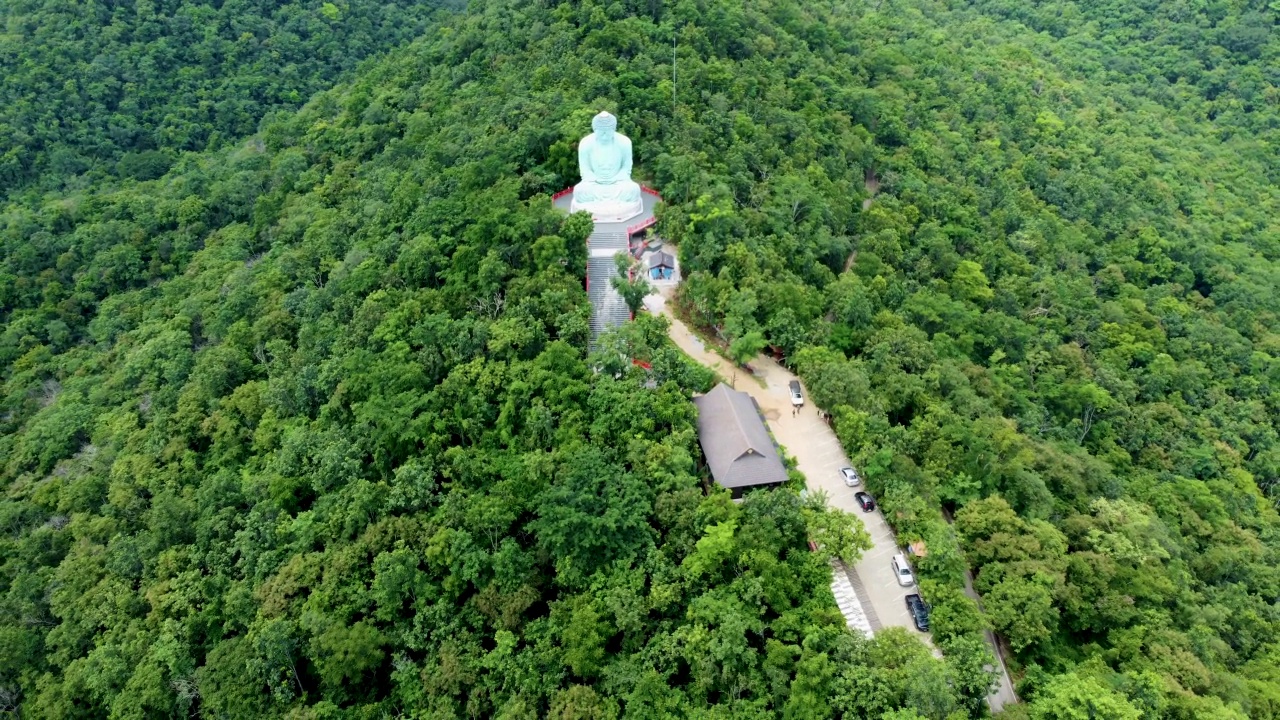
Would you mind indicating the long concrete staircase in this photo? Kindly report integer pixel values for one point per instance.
(607, 307)
(608, 311)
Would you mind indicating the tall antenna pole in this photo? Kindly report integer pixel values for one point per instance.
(673, 70)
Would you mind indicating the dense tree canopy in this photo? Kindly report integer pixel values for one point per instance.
(101, 88)
(1046, 276)
(307, 424)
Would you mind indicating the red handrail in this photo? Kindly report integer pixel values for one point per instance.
(641, 225)
(561, 194)
(651, 191)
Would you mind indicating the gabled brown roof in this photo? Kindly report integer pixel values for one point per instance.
(735, 441)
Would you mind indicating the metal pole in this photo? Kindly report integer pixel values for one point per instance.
(673, 71)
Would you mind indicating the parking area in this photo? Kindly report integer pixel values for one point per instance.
(818, 454)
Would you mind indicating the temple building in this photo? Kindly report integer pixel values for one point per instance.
(738, 448)
(662, 265)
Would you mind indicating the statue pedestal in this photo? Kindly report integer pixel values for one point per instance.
(649, 199)
(609, 212)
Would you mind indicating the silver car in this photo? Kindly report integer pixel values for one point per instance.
(851, 477)
(902, 571)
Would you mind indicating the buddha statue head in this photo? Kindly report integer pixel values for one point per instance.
(604, 125)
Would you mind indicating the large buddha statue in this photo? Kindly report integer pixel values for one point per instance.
(607, 190)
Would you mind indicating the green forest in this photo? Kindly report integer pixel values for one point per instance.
(299, 417)
(94, 89)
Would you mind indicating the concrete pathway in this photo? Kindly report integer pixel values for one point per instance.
(869, 594)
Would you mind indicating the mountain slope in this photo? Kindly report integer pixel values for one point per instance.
(98, 89)
(307, 425)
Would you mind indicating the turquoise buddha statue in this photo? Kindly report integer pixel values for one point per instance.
(604, 158)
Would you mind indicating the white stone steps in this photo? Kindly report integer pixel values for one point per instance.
(607, 307)
(847, 600)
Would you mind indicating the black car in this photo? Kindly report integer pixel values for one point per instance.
(865, 501)
(919, 612)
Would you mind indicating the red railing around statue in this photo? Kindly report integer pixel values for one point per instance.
(641, 225)
(562, 193)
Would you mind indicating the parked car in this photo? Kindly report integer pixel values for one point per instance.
(851, 477)
(797, 397)
(902, 570)
(865, 501)
(919, 610)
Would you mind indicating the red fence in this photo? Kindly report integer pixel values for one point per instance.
(562, 193)
(651, 191)
(641, 225)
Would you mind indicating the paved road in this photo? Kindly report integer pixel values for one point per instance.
(819, 456)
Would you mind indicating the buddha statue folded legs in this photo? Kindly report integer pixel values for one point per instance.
(604, 158)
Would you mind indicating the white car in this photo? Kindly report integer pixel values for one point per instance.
(851, 477)
(797, 397)
(902, 571)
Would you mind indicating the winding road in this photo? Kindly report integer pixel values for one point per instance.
(868, 593)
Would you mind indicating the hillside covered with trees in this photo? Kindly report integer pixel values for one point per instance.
(307, 426)
(96, 89)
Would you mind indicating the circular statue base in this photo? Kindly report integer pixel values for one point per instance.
(648, 198)
(609, 212)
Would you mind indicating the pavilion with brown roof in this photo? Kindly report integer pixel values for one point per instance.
(739, 451)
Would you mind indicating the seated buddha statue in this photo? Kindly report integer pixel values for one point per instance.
(604, 158)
